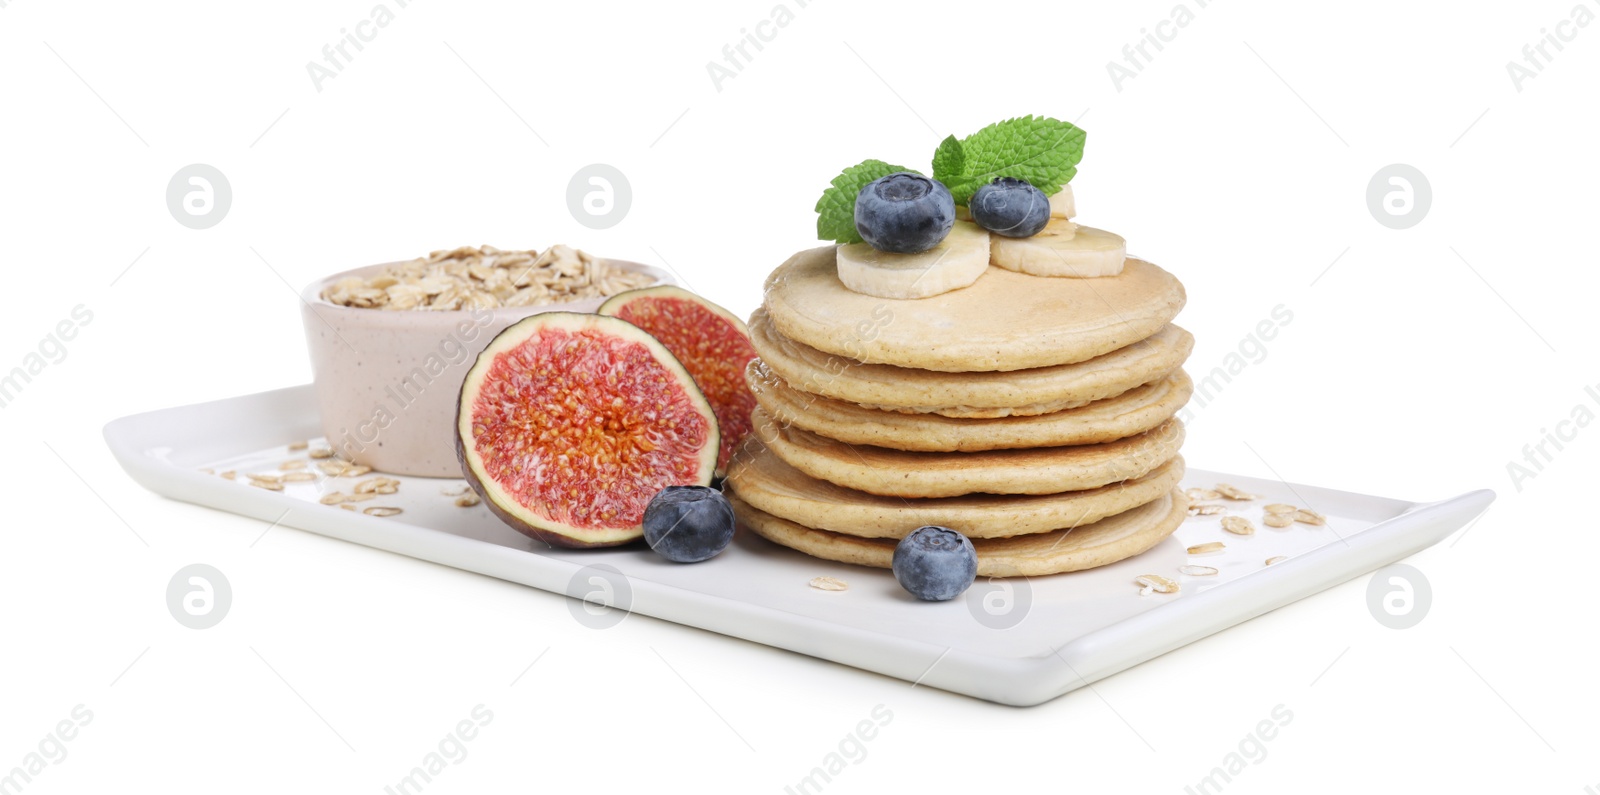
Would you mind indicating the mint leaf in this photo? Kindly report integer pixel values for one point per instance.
(836, 210)
(1041, 150)
(949, 160)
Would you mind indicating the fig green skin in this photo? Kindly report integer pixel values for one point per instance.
(550, 535)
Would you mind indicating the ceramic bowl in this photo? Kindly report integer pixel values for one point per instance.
(387, 380)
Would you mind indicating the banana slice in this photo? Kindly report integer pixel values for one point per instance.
(956, 262)
(1062, 205)
(1060, 228)
(1062, 248)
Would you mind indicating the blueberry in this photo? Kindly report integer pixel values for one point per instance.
(935, 563)
(1010, 207)
(688, 524)
(904, 213)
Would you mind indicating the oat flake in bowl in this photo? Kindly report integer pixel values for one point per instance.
(486, 278)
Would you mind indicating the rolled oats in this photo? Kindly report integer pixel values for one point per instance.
(486, 278)
(1238, 525)
(378, 485)
(340, 468)
(1277, 519)
(1308, 516)
(1235, 493)
(1155, 583)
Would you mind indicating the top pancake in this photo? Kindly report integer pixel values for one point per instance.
(1003, 321)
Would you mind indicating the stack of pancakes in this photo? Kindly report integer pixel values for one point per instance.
(1035, 415)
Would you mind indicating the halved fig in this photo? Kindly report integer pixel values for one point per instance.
(713, 345)
(568, 424)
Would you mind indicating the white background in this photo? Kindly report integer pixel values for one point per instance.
(1417, 366)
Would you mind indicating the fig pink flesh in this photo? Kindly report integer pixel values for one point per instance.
(714, 351)
(582, 427)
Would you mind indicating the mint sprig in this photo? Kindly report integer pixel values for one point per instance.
(950, 158)
(836, 210)
(1041, 150)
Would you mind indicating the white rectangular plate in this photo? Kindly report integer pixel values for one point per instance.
(1065, 631)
